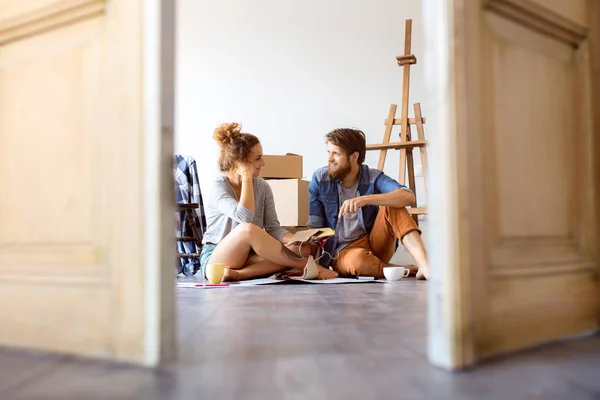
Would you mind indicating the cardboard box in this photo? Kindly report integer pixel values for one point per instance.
(291, 201)
(282, 167)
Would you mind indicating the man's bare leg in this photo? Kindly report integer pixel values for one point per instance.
(413, 243)
(392, 223)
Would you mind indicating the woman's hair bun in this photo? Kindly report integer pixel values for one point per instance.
(226, 132)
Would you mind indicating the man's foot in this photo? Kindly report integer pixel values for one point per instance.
(423, 273)
(326, 273)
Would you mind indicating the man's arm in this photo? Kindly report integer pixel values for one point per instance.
(396, 199)
(390, 194)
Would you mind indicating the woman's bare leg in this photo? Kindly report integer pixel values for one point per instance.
(307, 249)
(256, 267)
(233, 250)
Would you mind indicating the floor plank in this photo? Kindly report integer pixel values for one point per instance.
(306, 342)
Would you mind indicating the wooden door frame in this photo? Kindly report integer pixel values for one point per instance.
(111, 263)
(449, 343)
(452, 45)
(159, 121)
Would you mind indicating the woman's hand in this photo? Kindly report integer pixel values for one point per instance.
(245, 170)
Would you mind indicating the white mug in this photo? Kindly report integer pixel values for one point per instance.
(395, 273)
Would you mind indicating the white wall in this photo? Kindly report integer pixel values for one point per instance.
(292, 71)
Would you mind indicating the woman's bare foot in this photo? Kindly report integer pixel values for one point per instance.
(326, 273)
(231, 275)
(423, 273)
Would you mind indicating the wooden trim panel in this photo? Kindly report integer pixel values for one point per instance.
(539, 19)
(61, 13)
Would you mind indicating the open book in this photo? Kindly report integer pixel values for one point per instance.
(315, 234)
(311, 270)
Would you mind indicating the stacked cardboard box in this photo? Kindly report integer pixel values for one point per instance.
(284, 175)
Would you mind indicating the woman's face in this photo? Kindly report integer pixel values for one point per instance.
(256, 158)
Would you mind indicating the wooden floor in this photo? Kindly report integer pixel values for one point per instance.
(361, 341)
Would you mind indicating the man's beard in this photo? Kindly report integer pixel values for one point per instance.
(341, 171)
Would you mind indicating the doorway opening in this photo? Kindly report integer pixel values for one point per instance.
(290, 87)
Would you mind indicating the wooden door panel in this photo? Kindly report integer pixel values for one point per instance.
(22, 19)
(575, 11)
(528, 309)
(52, 232)
(45, 117)
(530, 76)
(540, 280)
(519, 263)
(534, 165)
(10, 9)
(77, 233)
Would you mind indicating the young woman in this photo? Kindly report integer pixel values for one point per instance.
(243, 230)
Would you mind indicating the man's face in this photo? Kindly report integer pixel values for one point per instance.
(339, 164)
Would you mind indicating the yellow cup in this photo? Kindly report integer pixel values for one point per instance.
(215, 272)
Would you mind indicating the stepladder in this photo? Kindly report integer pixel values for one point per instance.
(406, 143)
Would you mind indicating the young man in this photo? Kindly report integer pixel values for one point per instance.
(365, 207)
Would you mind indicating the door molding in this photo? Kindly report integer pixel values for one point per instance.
(62, 13)
(539, 19)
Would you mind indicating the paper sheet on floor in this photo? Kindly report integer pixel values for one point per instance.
(270, 281)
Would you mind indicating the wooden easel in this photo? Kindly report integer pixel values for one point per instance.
(405, 145)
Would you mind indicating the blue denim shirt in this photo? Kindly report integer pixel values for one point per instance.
(325, 203)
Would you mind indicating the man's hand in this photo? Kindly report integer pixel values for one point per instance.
(352, 206)
(325, 273)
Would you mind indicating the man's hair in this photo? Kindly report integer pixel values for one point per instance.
(350, 140)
